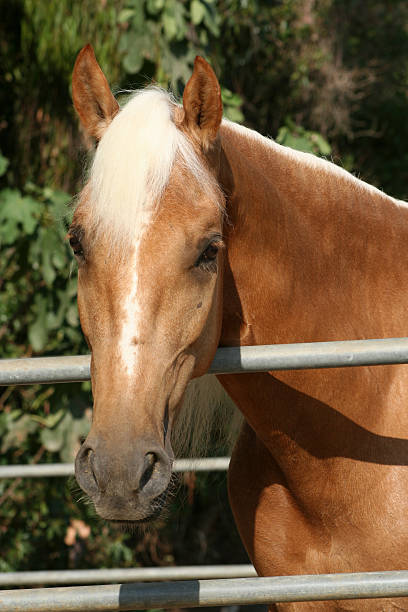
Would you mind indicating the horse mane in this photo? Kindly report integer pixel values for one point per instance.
(135, 157)
(208, 419)
(314, 163)
(133, 163)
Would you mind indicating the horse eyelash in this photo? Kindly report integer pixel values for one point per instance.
(210, 265)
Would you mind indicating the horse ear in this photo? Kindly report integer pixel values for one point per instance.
(93, 99)
(202, 103)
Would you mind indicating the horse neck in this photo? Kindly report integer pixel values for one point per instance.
(311, 250)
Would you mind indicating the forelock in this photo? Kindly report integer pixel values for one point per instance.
(133, 163)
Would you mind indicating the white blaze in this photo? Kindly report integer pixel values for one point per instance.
(132, 309)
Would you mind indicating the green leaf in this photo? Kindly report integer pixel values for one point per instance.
(19, 429)
(232, 103)
(322, 144)
(4, 162)
(288, 139)
(51, 249)
(197, 11)
(72, 316)
(170, 26)
(60, 259)
(48, 193)
(65, 436)
(296, 137)
(51, 420)
(77, 427)
(177, 64)
(58, 204)
(125, 15)
(154, 6)
(38, 331)
(233, 114)
(138, 18)
(212, 20)
(47, 268)
(133, 60)
(17, 213)
(231, 99)
(52, 439)
(174, 24)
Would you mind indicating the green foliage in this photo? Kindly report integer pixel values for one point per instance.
(162, 37)
(38, 45)
(232, 105)
(53, 31)
(38, 313)
(38, 304)
(3, 164)
(296, 137)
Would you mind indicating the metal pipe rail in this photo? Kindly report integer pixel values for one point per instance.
(199, 593)
(133, 574)
(208, 464)
(228, 360)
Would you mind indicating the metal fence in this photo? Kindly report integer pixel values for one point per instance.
(209, 464)
(131, 574)
(199, 593)
(138, 574)
(228, 360)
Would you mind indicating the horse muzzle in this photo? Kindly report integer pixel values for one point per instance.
(125, 487)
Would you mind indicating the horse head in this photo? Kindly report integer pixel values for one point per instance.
(147, 236)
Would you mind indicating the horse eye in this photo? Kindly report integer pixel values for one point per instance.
(76, 246)
(210, 252)
(208, 257)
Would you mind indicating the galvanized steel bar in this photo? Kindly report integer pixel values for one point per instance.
(207, 464)
(28, 371)
(227, 360)
(137, 574)
(200, 593)
(36, 471)
(310, 355)
(46, 470)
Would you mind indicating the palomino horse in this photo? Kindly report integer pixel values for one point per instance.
(194, 232)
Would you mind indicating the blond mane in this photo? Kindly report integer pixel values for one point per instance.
(133, 163)
(208, 419)
(313, 162)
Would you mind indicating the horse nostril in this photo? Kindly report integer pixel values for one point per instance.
(155, 474)
(85, 469)
(150, 460)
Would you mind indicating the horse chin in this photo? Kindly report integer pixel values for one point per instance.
(141, 525)
(132, 526)
(134, 518)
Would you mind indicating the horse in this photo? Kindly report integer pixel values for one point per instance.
(193, 232)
